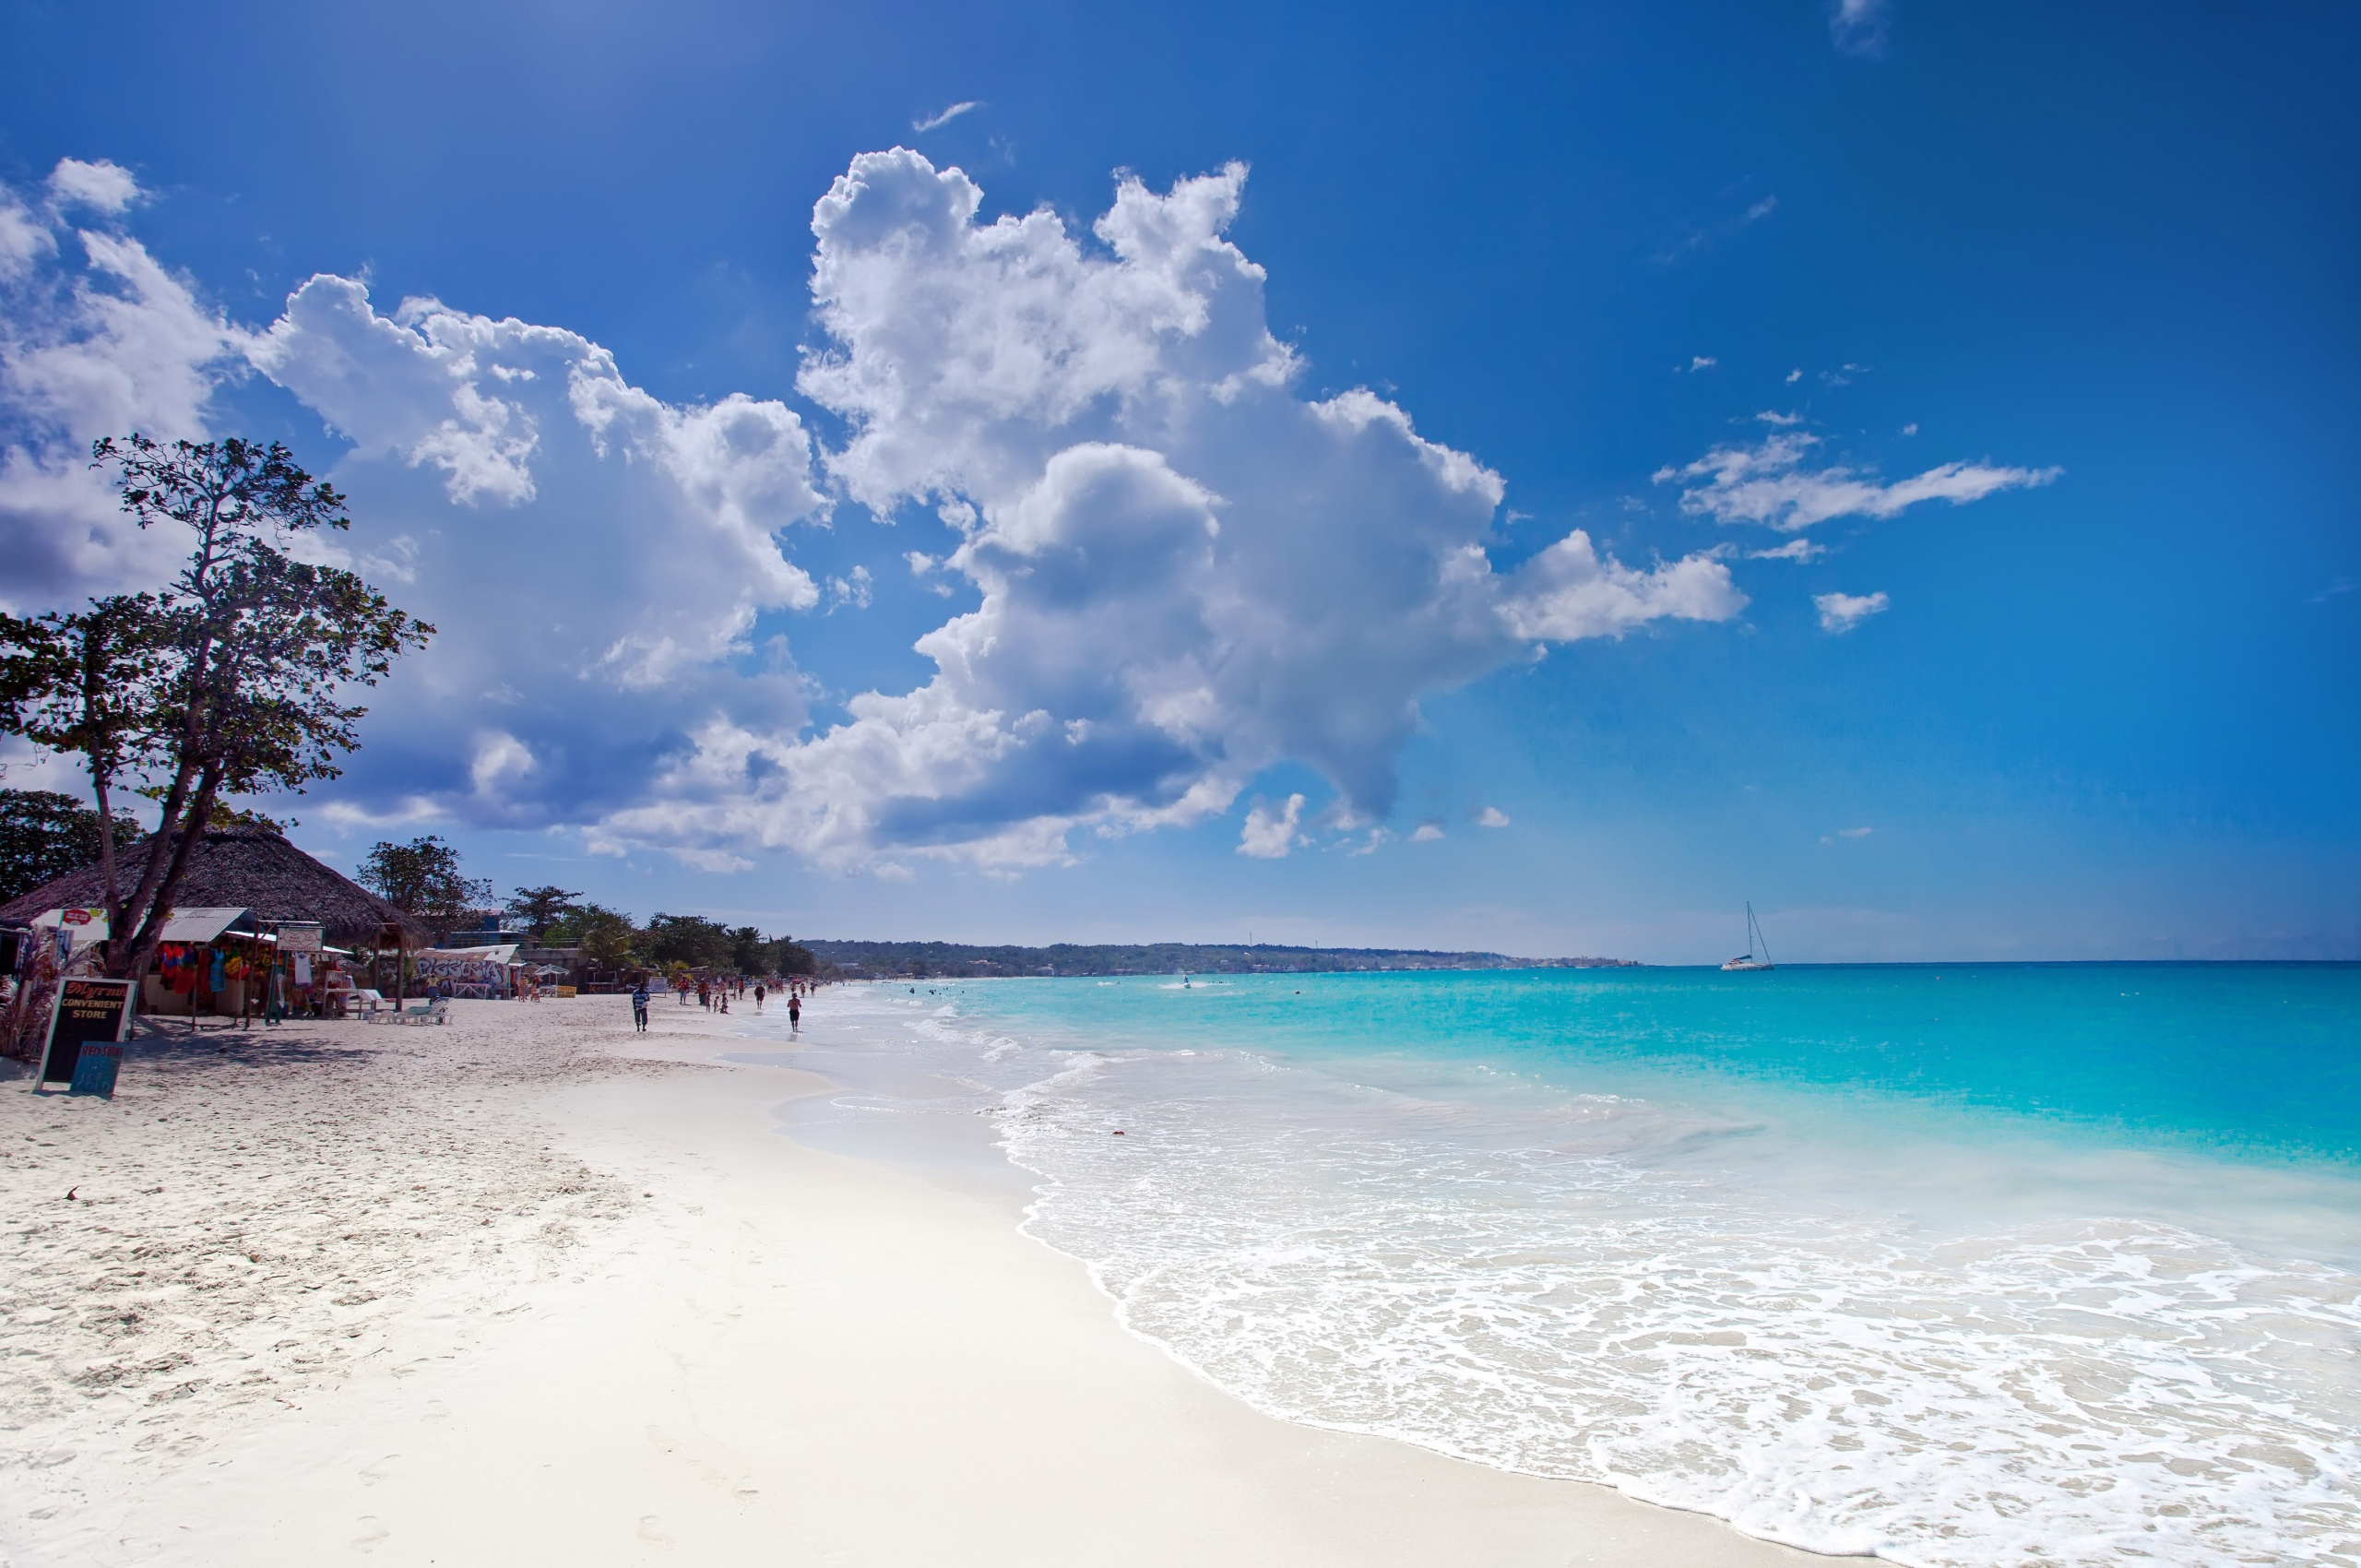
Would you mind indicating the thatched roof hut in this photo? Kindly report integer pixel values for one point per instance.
(249, 868)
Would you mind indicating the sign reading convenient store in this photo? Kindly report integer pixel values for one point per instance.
(90, 1012)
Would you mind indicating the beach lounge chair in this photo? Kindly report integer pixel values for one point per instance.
(437, 1011)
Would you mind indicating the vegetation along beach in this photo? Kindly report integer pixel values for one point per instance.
(1392, 787)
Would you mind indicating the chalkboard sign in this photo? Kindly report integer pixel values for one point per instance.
(94, 1071)
(88, 1012)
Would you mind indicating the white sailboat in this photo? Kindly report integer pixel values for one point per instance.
(1754, 939)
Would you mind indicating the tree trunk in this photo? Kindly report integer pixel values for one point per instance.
(161, 851)
(160, 908)
(109, 892)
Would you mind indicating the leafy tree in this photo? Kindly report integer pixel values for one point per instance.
(607, 937)
(423, 878)
(87, 683)
(677, 944)
(751, 952)
(688, 939)
(541, 907)
(44, 835)
(227, 683)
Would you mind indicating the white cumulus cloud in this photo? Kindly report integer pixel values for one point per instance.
(1492, 816)
(500, 759)
(1271, 831)
(104, 187)
(97, 338)
(24, 237)
(1189, 572)
(1840, 613)
(1184, 571)
(1771, 483)
(596, 559)
(1569, 591)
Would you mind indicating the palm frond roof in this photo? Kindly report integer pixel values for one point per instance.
(250, 867)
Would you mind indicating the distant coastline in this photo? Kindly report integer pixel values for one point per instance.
(953, 960)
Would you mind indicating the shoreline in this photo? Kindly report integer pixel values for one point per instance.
(695, 1338)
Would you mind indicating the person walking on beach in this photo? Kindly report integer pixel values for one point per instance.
(794, 1014)
(639, 1006)
(758, 996)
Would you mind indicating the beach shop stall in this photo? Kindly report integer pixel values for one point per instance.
(243, 972)
(280, 902)
(214, 961)
(315, 980)
(50, 945)
(76, 932)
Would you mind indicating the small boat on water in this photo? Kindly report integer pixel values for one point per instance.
(1747, 960)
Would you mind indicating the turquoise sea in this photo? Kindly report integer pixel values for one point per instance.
(1958, 1264)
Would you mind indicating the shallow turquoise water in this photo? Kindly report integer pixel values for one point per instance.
(1963, 1265)
(2257, 1060)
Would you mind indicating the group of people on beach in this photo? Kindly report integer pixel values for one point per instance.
(714, 996)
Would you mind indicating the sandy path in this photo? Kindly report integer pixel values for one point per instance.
(498, 1294)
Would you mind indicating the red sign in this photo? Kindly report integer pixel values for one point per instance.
(76, 917)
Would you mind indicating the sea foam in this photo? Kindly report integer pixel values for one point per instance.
(1603, 1286)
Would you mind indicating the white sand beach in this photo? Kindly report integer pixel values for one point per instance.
(530, 1289)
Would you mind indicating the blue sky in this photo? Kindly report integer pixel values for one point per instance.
(1262, 481)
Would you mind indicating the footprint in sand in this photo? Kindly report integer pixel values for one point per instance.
(379, 1471)
(372, 1531)
(651, 1530)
